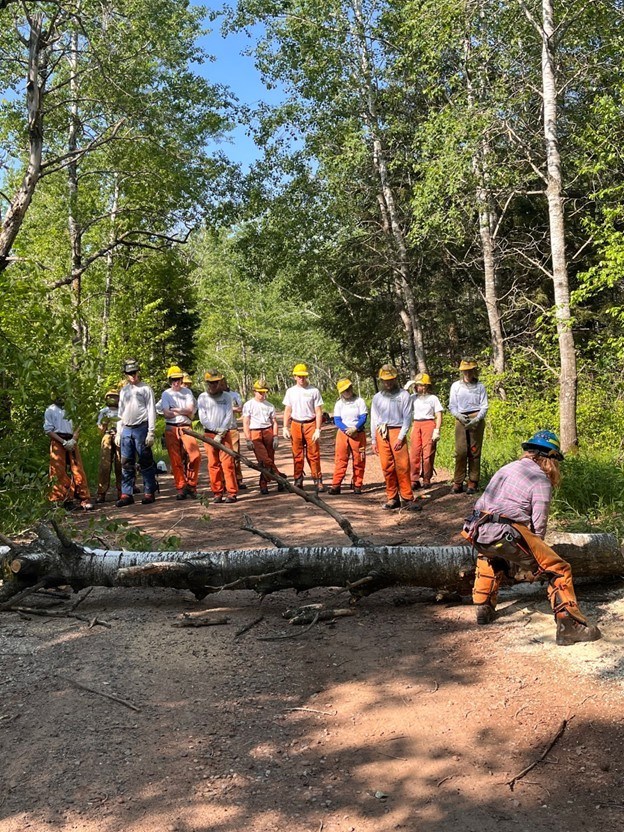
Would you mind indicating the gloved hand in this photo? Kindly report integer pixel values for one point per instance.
(465, 420)
(69, 444)
(408, 385)
(435, 436)
(285, 432)
(383, 430)
(118, 439)
(149, 439)
(316, 435)
(250, 445)
(218, 437)
(472, 423)
(351, 431)
(275, 442)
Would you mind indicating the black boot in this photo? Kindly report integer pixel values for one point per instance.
(485, 614)
(570, 631)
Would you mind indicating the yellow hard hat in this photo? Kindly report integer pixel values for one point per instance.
(468, 364)
(300, 370)
(343, 384)
(422, 378)
(175, 372)
(187, 379)
(260, 386)
(112, 394)
(387, 372)
(213, 375)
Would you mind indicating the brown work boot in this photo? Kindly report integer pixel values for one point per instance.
(485, 613)
(472, 488)
(391, 505)
(334, 489)
(570, 631)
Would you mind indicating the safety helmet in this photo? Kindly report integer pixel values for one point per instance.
(343, 384)
(422, 378)
(387, 372)
(213, 375)
(546, 443)
(174, 372)
(187, 379)
(260, 386)
(468, 364)
(131, 365)
(112, 394)
(300, 370)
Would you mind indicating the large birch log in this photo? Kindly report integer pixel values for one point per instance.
(269, 570)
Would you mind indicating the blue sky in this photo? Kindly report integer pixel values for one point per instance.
(237, 71)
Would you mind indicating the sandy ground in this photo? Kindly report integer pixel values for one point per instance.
(404, 716)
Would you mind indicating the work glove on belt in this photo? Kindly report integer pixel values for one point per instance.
(69, 444)
(351, 431)
(382, 430)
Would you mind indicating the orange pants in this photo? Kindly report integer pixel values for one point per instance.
(221, 468)
(184, 456)
(265, 452)
(395, 466)
(67, 474)
(531, 553)
(345, 446)
(422, 450)
(302, 444)
(236, 447)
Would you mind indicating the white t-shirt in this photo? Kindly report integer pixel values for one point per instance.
(182, 399)
(350, 410)
(425, 406)
(108, 415)
(260, 414)
(215, 412)
(136, 406)
(303, 401)
(54, 420)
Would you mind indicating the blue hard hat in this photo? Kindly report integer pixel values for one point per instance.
(546, 443)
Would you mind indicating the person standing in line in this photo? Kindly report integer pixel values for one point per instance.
(427, 421)
(110, 455)
(350, 414)
(508, 525)
(135, 435)
(215, 413)
(67, 472)
(237, 409)
(468, 402)
(178, 407)
(391, 417)
(261, 431)
(303, 417)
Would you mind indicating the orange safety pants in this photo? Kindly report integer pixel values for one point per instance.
(110, 456)
(395, 466)
(67, 474)
(346, 446)
(422, 449)
(221, 469)
(530, 553)
(303, 446)
(184, 456)
(265, 452)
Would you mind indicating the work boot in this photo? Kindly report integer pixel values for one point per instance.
(473, 487)
(264, 489)
(181, 495)
(101, 498)
(242, 486)
(411, 505)
(281, 488)
(570, 631)
(415, 485)
(485, 613)
(357, 489)
(190, 491)
(218, 498)
(458, 488)
(148, 499)
(230, 499)
(333, 489)
(319, 486)
(299, 482)
(391, 505)
(125, 500)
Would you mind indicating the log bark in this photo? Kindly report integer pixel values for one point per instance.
(270, 570)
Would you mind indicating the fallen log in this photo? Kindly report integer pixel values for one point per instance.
(362, 570)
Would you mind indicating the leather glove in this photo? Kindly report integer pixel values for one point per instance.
(383, 430)
(218, 437)
(435, 436)
(69, 444)
(149, 439)
(250, 445)
(465, 420)
(118, 439)
(285, 432)
(472, 423)
(316, 435)
(351, 431)
(275, 442)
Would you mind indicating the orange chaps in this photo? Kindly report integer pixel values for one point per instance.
(263, 449)
(303, 447)
(345, 446)
(67, 474)
(110, 456)
(422, 449)
(221, 469)
(395, 466)
(532, 553)
(184, 456)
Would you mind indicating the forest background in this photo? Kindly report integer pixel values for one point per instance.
(438, 178)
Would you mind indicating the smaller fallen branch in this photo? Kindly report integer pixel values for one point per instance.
(23, 594)
(293, 635)
(313, 711)
(249, 626)
(304, 615)
(66, 614)
(201, 622)
(248, 526)
(511, 783)
(81, 599)
(110, 696)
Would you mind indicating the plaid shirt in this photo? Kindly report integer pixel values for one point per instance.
(520, 491)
